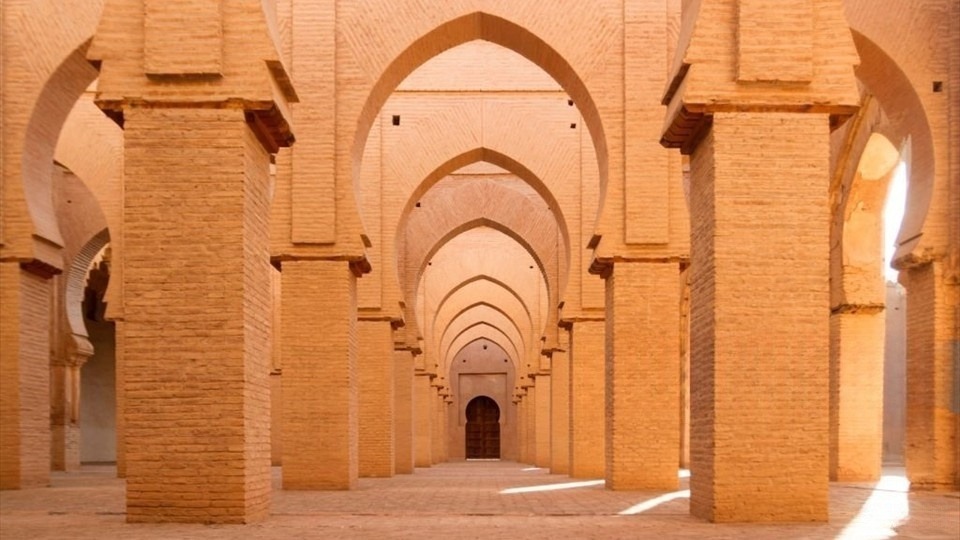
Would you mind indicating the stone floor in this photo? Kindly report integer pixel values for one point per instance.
(473, 500)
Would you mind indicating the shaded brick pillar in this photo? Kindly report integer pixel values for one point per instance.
(856, 392)
(403, 411)
(320, 380)
(587, 433)
(522, 434)
(439, 432)
(196, 342)
(64, 417)
(376, 412)
(542, 421)
(759, 318)
(121, 405)
(931, 446)
(685, 367)
(642, 376)
(25, 380)
(423, 418)
(531, 419)
(560, 408)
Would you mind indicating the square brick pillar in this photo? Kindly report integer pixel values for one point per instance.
(531, 413)
(587, 424)
(423, 419)
(64, 425)
(933, 412)
(320, 380)
(543, 421)
(642, 376)
(25, 379)
(197, 317)
(439, 438)
(403, 411)
(522, 455)
(376, 398)
(121, 405)
(759, 318)
(560, 409)
(856, 393)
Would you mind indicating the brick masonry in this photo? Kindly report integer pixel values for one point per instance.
(197, 397)
(642, 376)
(759, 346)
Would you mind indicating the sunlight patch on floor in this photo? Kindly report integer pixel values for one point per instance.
(882, 513)
(552, 487)
(655, 502)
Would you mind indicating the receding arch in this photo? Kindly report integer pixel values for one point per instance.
(57, 98)
(495, 29)
(76, 282)
(907, 124)
(477, 224)
(466, 345)
(493, 280)
(469, 304)
(477, 306)
(484, 330)
(457, 327)
(508, 163)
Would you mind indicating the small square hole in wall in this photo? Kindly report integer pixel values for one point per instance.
(938, 86)
(570, 102)
(418, 204)
(573, 126)
(396, 120)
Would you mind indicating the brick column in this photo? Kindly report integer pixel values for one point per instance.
(121, 405)
(856, 392)
(24, 385)
(438, 431)
(560, 408)
(64, 417)
(522, 435)
(403, 411)
(320, 402)
(197, 304)
(531, 410)
(642, 376)
(685, 368)
(932, 410)
(587, 399)
(759, 327)
(543, 421)
(376, 398)
(423, 418)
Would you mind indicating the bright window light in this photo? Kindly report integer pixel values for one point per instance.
(893, 217)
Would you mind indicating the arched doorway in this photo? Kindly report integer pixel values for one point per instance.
(483, 429)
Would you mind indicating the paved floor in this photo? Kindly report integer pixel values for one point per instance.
(472, 500)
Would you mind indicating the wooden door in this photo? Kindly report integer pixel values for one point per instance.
(483, 429)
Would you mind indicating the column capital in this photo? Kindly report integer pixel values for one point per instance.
(769, 63)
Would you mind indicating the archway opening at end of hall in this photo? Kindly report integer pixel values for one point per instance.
(483, 429)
